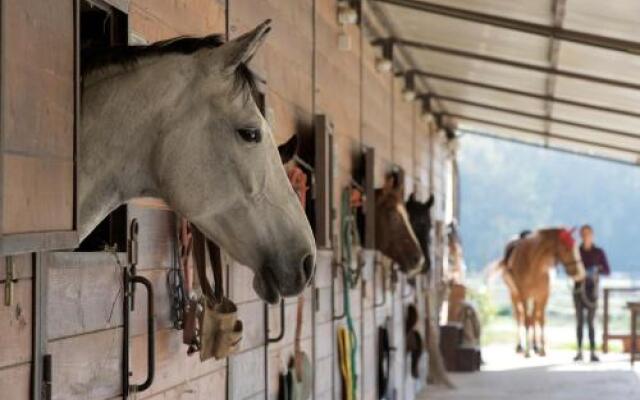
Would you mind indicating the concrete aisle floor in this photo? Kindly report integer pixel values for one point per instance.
(506, 376)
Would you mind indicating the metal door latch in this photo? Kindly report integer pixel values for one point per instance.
(10, 280)
(47, 377)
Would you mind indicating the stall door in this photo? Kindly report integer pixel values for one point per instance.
(38, 104)
(16, 326)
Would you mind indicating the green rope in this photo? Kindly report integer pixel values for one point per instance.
(349, 237)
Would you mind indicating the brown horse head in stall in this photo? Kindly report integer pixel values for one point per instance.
(526, 273)
(394, 236)
(420, 217)
(178, 120)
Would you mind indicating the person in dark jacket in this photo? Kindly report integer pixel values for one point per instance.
(585, 295)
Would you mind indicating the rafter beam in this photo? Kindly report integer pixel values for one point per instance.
(542, 134)
(524, 93)
(533, 28)
(558, 8)
(545, 118)
(548, 147)
(553, 70)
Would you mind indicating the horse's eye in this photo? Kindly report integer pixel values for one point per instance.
(250, 135)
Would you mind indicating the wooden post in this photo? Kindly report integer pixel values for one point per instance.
(634, 317)
(605, 328)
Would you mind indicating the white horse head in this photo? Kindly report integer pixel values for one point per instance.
(177, 120)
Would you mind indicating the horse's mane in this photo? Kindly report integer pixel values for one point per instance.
(549, 230)
(95, 59)
(535, 242)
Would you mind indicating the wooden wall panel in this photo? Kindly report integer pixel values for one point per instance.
(15, 325)
(156, 236)
(376, 111)
(403, 121)
(84, 291)
(247, 374)
(37, 116)
(22, 267)
(87, 366)
(211, 386)
(285, 60)
(16, 382)
(38, 195)
(338, 72)
(173, 366)
(39, 76)
(158, 20)
(85, 295)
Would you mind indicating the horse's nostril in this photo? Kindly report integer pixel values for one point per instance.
(308, 265)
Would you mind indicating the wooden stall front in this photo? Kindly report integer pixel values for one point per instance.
(65, 306)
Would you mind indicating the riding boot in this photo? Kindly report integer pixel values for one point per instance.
(594, 357)
(578, 356)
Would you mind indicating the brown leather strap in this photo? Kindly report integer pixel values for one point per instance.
(298, 358)
(215, 257)
(299, 318)
(186, 250)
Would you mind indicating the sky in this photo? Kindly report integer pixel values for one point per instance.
(508, 187)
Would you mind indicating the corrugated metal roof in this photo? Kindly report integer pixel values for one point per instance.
(555, 73)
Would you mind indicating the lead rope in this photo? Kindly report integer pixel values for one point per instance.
(298, 179)
(349, 276)
(297, 346)
(582, 291)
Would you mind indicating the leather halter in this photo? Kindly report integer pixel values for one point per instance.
(213, 294)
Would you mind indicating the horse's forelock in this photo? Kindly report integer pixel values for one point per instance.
(566, 238)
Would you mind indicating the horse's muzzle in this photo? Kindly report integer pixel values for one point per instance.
(308, 267)
(270, 285)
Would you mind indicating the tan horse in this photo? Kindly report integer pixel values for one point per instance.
(394, 235)
(526, 273)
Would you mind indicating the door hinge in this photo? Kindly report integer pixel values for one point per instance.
(46, 376)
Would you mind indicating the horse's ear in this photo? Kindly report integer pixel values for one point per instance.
(240, 50)
(392, 184)
(288, 150)
(429, 202)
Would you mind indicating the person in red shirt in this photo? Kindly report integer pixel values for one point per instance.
(585, 295)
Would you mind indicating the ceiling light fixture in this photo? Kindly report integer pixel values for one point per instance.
(409, 91)
(426, 114)
(385, 62)
(347, 13)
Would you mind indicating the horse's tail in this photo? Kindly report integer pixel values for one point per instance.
(499, 268)
(493, 270)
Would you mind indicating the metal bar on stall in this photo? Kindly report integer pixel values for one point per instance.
(375, 285)
(282, 324)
